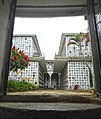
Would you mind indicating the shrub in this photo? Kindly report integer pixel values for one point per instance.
(15, 86)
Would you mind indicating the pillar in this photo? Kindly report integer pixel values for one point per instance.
(50, 79)
(94, 44)
(59, 80)
(7, 15)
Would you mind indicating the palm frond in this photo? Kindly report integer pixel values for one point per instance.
(72, 42)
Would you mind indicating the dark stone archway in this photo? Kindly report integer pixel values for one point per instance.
(6, 39)
(46, 80)
(55, 80)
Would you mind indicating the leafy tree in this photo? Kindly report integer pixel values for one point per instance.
(19, 61)
(77, 39)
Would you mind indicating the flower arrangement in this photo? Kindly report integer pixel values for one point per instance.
(19, 60)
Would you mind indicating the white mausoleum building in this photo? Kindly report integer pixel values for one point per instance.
(71, 67)
(74, 64)
(35, 72)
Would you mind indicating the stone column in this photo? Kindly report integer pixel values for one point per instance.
(59, 79)
(50, 80)
(7, 15)
(94, 43)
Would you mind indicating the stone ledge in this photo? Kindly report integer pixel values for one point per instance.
(49, 111)
(51, 98)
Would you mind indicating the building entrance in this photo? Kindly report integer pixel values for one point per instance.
(51, 81)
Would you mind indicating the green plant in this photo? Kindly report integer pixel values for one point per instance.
(15, 86)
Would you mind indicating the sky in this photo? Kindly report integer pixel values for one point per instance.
(49, 31)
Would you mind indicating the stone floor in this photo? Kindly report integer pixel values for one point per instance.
(52, 96)
(50, 104)
(54, 92)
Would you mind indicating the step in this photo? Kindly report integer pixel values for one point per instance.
(51, 98)
(19, 110)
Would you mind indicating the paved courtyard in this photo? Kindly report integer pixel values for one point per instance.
(53, 96)
(55, 92)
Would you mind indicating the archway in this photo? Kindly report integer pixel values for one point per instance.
(8, 10)
(55, 80)
(46, 81)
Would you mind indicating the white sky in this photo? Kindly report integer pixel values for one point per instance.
(49, 31)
